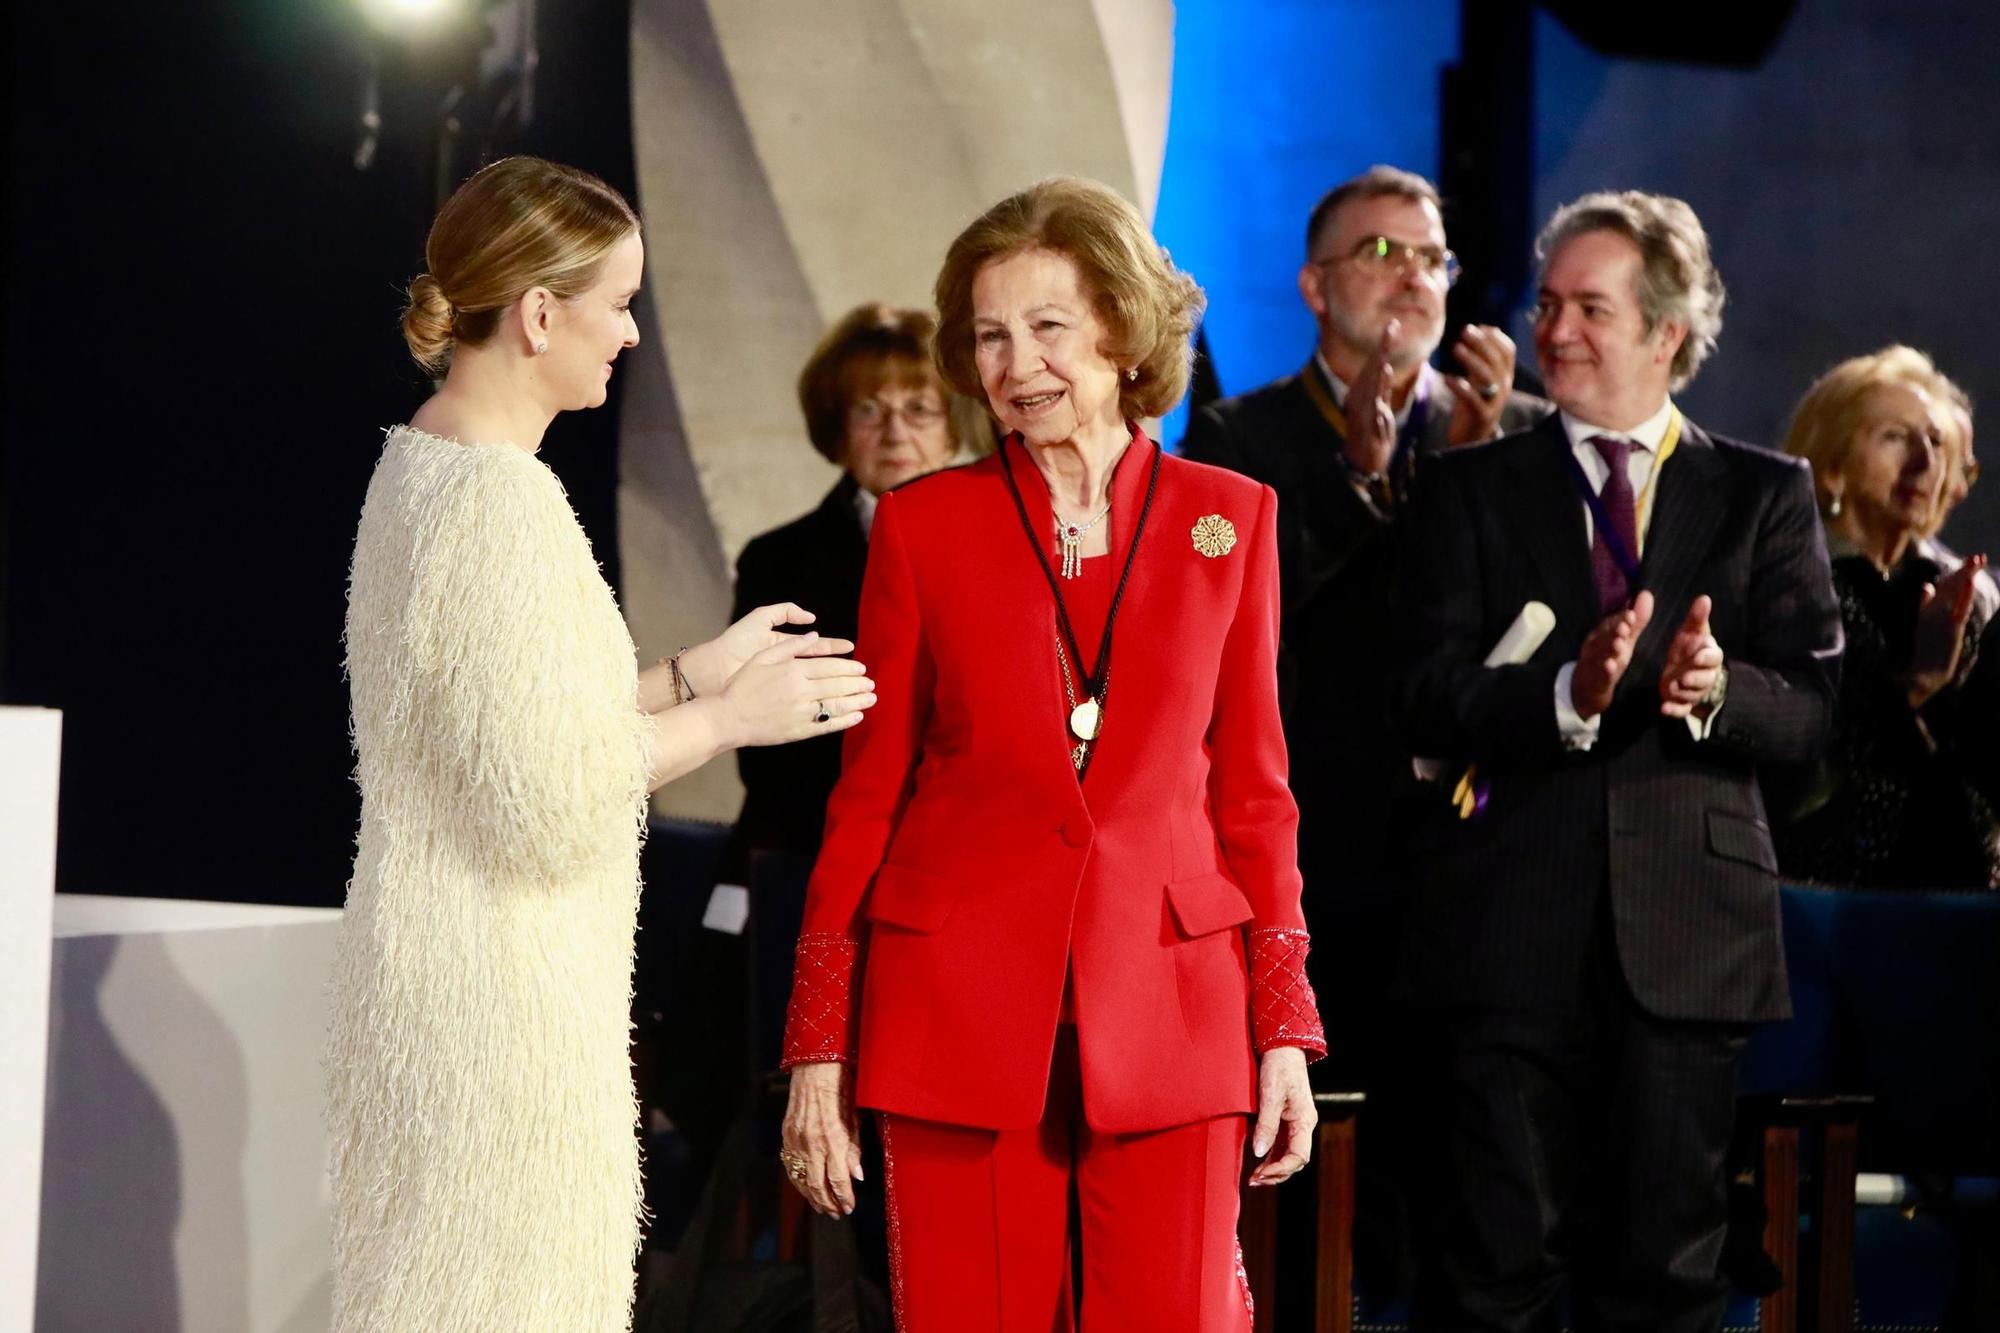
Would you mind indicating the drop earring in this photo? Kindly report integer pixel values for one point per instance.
(1833, 507)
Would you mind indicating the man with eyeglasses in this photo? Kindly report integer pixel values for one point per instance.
(1342, 442)
(1593, 916)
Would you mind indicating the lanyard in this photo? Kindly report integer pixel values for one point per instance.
(1642, 511)
(1097, 684)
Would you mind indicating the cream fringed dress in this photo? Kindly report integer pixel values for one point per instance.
(485, 1171)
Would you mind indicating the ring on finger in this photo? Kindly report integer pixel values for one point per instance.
(821, 713)
(1489, 391)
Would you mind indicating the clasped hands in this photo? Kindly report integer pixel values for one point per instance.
(1694, 659)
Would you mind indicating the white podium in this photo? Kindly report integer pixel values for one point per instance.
(184, 1157)
(30, 747)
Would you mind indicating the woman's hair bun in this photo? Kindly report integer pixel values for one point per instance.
(427, 324)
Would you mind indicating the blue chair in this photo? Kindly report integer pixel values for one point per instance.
(1890, 1065)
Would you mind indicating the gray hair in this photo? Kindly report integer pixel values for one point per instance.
(1677, 278)
(1373, 183)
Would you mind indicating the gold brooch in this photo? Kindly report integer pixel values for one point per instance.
(1214, 535)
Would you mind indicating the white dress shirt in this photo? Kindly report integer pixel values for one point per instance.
(1580, 733)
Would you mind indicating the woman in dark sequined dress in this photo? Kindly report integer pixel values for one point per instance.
(1909, 793)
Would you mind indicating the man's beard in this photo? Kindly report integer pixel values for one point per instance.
(1364, 341)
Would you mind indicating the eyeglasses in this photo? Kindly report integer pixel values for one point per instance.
(1380, 254)
(872, 414)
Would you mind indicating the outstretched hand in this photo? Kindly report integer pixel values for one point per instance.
(791, 690)
(709, 666)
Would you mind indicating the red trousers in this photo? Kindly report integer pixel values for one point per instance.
(980, 1225)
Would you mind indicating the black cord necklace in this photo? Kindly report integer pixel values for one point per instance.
(1097, 684)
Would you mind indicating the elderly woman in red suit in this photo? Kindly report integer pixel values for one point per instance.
(1053, 937)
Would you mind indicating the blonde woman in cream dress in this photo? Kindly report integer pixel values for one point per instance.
(485, 1169)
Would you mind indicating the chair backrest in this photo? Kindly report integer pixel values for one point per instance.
(1897, 995)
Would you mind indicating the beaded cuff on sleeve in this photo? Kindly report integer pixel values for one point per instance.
(1283, 1011)
(819, 1023)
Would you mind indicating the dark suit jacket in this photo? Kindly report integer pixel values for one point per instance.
(1506, 905)
(817, 562)
(1336, 566)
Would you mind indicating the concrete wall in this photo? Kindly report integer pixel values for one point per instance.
(795, 160)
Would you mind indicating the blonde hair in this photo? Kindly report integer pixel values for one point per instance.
(1958, 450)
(519, 223)
(1828, 418)
(1677, 278)
(1148, 307)
(870, 346)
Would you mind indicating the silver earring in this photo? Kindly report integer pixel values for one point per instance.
(1833, 507)
(541, 347)
(1132, 375)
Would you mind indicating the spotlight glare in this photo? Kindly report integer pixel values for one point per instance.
(409, 18)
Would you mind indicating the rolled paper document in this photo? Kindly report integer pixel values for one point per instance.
(1524, 636)
(1530, 628)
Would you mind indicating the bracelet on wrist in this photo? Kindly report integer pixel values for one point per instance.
(683, 689)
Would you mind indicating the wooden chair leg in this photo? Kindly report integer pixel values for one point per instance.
(1257, 1232)
(1333, 1159)
(794, 1219)
(1834, 1235)
(1779, 1312)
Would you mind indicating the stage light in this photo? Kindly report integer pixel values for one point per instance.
(410, 18)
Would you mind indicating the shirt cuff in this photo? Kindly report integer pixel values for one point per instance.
(1699, 727)
(1578, 732)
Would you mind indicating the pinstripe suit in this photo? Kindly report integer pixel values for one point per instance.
(1599, 936)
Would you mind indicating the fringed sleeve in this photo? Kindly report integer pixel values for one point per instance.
(523, 672)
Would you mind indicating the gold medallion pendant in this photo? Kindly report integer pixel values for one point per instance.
(1214, 535)
(1083, 720)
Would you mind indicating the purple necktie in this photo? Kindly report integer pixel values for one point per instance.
(1612, 586)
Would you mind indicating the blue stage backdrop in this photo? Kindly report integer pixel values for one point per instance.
(1266, 117)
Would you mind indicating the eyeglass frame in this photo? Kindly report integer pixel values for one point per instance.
(859, 416)
(1446, 264)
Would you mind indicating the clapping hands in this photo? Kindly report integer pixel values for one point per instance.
(1479, 396)
(1940, 637)
(1694, 659)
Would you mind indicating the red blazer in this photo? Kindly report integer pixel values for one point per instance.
(965, 869)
